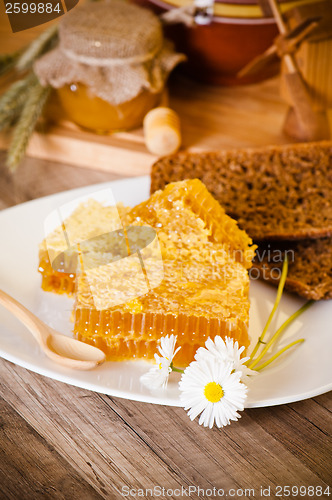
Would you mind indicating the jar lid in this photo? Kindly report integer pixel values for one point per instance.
(113, 47)
(110, 31)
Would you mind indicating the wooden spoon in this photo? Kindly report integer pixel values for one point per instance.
(64, 350)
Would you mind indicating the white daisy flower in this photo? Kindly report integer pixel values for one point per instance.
(227, 351)
(157, 376)
(208, 387)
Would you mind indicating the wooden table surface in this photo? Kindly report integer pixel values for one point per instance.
(59, 441)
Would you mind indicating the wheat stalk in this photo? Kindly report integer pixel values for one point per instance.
(11, 102)
(36, 48)
(32, 109)
(8, 61)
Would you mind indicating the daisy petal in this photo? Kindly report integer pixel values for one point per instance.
(157, 376)
(210, 388)
(225, 350)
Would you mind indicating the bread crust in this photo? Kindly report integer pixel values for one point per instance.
(309, 268)
(275, 192)
(280, 195)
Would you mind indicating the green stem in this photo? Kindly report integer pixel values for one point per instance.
(280, 330)
(174, 369)
(276, 303)
(263, 365)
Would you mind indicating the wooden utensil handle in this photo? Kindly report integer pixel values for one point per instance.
(34, 324)
(312, 125)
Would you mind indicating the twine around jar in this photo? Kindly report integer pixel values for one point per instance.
(97, 61)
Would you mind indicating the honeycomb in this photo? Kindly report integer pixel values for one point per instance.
(55, 281)
(203, 293)
(90, 222)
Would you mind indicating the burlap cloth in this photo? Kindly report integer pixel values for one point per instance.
(113, 47)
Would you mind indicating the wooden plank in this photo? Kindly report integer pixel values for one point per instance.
(86, 149)
(141, 445)
(86, 432)
(31, 468)
(211, 118)
(235, 452)
(304, 430)
(35, 178)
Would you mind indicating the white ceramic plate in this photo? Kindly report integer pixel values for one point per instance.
(305, 372)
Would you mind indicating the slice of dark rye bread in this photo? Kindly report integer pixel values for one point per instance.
(309, 268)
(276, 192)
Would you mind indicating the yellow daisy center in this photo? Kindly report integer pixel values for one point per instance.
(161, 365)
(213, 392)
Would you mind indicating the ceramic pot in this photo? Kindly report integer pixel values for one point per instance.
(218, 51)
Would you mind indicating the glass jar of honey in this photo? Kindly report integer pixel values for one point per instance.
(89, 111)
(110, 66)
